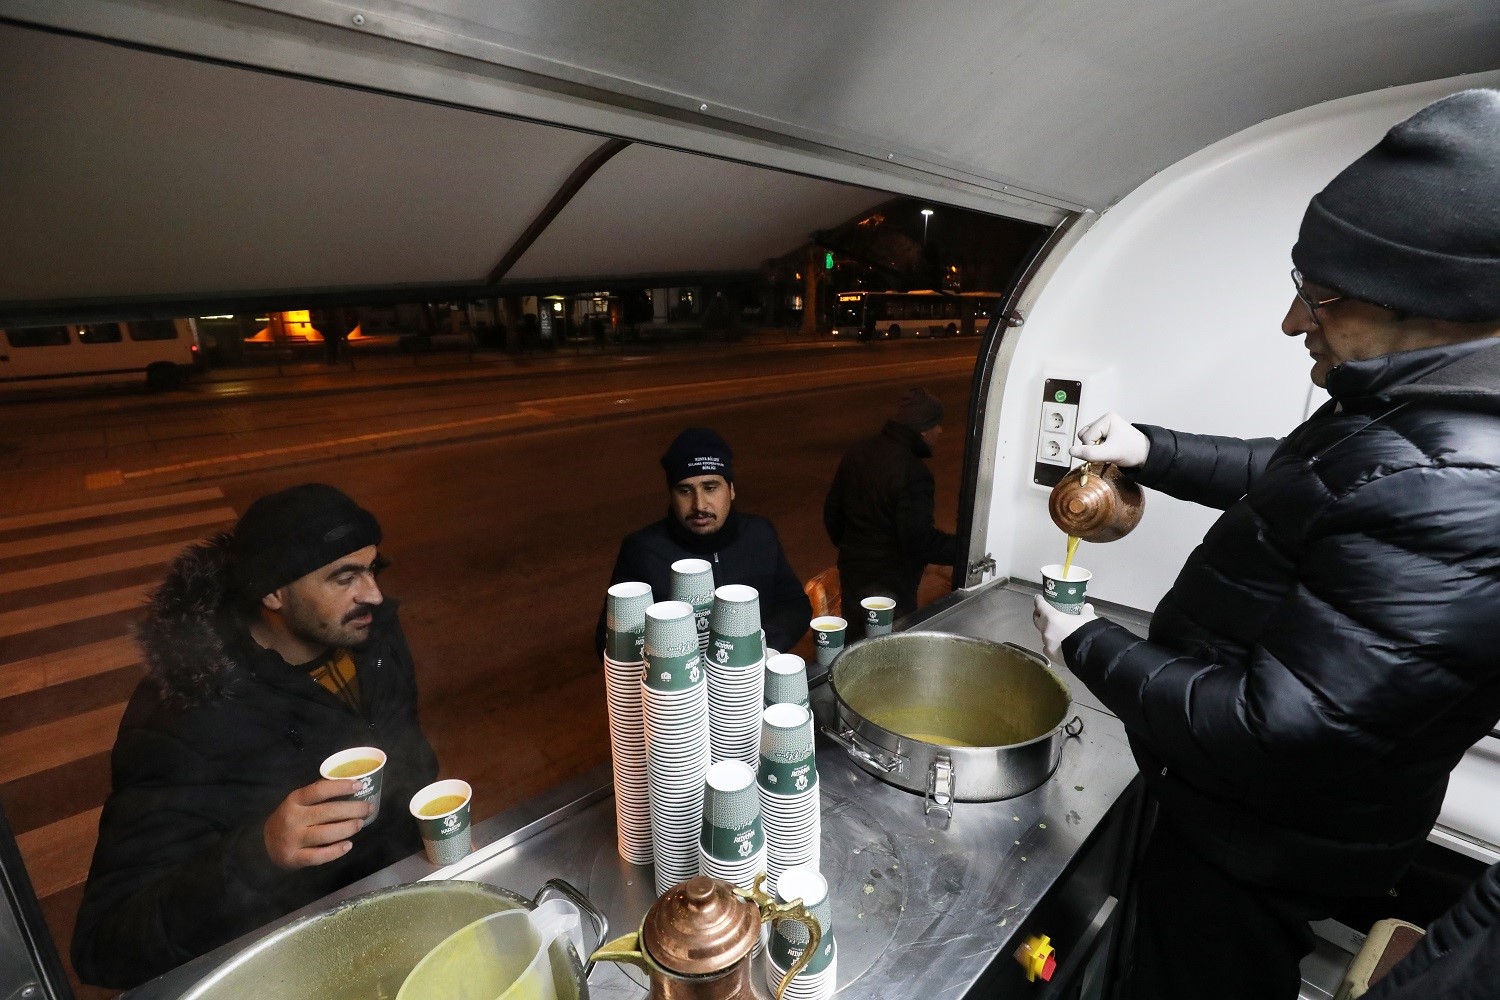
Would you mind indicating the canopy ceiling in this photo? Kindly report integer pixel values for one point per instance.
(135, 173)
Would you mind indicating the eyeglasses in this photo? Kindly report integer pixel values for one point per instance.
(1313, 305)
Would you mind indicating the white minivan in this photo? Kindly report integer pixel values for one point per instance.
(160, 352)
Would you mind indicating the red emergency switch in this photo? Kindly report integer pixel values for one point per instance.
(1038, 958)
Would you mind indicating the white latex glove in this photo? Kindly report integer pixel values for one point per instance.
(1056, 626)
(1112, 438)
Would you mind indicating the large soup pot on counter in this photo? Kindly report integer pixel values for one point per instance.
(951, 717)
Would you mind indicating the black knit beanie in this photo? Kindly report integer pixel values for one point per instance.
(698, 451)
(1414, 224)
(920, 410)
(284, 536)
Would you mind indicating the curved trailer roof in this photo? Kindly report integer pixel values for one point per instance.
(451, 127)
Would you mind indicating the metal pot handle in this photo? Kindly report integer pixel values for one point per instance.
(570, 892)
(1030, 654)
(885, 761)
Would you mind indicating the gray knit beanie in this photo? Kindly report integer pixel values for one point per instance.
(1414, 224)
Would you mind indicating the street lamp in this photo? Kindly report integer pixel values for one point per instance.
(926, 217)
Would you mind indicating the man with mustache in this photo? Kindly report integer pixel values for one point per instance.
(267, 649)
(701, 523)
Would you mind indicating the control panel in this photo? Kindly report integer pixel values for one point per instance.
(1056, 434)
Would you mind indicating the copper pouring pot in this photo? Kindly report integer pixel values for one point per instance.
(695, 941)
(1097, 503)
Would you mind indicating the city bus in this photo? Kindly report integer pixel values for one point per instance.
(158, 352)
(921, 314)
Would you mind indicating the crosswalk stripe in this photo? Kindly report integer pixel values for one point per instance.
(114, 532)
(106, 509)
(75, 609)
(58, 855)
(53, 744)
(37, 672)
(83, 569)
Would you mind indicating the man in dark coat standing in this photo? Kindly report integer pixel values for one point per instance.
(701, 523)
(268, 649)
(1328, 653)
(879, 511)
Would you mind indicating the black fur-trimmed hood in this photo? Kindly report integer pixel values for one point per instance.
(189, 625)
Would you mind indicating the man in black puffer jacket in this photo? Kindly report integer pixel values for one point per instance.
(879, 511)
(701, 523)
(1329, 651)
(267, 649)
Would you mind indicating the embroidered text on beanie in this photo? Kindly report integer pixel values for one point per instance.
(698, 451)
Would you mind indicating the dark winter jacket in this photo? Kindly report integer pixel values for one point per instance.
(1329, 651)
(879, 514)
(211, 743)
(1459, 959)
(746, 550)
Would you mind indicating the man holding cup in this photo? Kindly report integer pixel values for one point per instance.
(701, 523)
(879, 513)
(1328, 653)
(269, 650)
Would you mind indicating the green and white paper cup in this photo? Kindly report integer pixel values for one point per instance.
(735, 638)
(673, 660)
(340, 765)
(789, 937)
(693, 582)
(625, 621)
(732, 829)
(446, 836)
(788, 762)
(829, 632)
(880, 615)
(1066, 594)
(786, 680)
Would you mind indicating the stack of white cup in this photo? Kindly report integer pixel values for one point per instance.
(625, 618)
(674, 700)
(733, 844)
(789, 799)
(693, 582)
(819, 979)
(735, 659)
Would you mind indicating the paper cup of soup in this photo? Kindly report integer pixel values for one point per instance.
(363, 764)
(442, 813)
(880, 614)
(828, 637)
(1065, 591)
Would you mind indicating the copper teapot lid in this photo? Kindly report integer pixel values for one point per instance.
(700, 927)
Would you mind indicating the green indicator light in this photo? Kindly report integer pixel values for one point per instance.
(1061, 395)
(828, 260)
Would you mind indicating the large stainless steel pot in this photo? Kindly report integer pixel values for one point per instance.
(951, 717)
(364, 948)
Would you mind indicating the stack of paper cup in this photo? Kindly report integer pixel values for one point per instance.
(674, 701)
(693, 582)
(819, 978)
(786, 680)
(625, 620)
(788, 779)
(732, 846)
(736, 649)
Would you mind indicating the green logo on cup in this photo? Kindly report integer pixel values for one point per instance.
(445, 827)
(732, 845)
(788, 778)
(674, 673)
(625, 647)
(784, 952)
(735, 650)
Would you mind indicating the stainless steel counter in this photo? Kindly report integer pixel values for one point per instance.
(924, 906)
